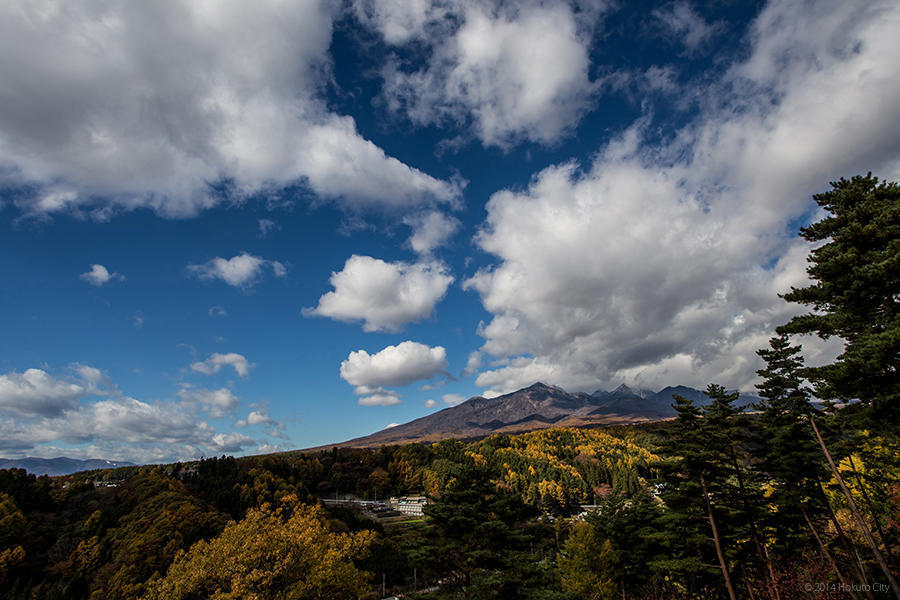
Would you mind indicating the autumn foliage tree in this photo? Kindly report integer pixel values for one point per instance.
(586, 564)
(280, 553)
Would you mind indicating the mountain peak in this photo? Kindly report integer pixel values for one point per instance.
(540, 385)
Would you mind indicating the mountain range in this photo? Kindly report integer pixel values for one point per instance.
(60, 465)
(538, 407)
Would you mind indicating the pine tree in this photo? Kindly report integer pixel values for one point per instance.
(693, 472)
(788, 454)
(471, 531)
(856, 291)
(856, 297)
(738, 489)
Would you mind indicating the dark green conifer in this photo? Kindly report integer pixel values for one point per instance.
(855, 293)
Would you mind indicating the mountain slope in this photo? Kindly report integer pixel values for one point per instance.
(536, 407)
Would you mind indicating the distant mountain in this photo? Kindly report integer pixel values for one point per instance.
(649, 404)
(537, 407)
(60, 465)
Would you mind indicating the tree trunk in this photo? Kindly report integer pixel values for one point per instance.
(859, 520)
(871, 505)
(715, 532)
(747, 581)
(771, 571)
(761, 550)
(825, 551)
(845, 542)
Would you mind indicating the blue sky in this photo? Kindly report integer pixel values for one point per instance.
(236, 229)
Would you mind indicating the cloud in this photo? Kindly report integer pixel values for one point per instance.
(243, 270)
(216, 361)
(99, 275)
(267, 226)
(386, 399)
(272, 448)
(394, 365)
(217, 311)
(660, 263)
(399, 22)
(132, 421)
(430, 403)
(91, 377)
(452, 399)
(515, 71)
(130, 426)
(262, 417)
(37, 393)
(39, 410)
(689, 27)
(230, 442)
(384, 296)
(216, 93)
(473, 363)
(257, 417)
(431, 230)
(215, 402)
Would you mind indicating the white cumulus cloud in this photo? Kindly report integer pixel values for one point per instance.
(99, 275)
(36, 392)
(661, 263)
(215, 402)
(88, 413)
(453, 399)
(230, 442)
(385, 296)
(243, 270)
(386, 399)
(113, 107)
(431, 230)
(214, 363)
(516, 71)
(394, 365)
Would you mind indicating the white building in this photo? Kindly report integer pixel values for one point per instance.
(409, 505)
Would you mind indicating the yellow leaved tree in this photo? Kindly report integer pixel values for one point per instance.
(285, 553)
(585, 565)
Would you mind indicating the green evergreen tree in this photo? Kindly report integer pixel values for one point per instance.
(856, 297)
(789, 456)
(471, 534)
(631, 526)
(693, 472)
(856, 292)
